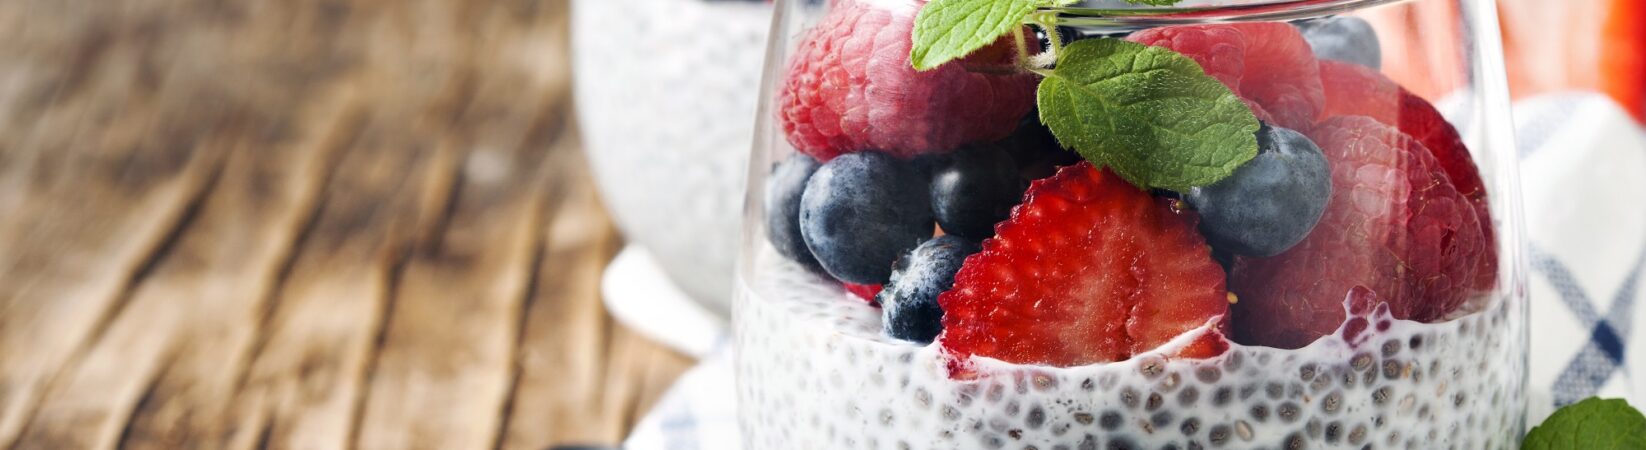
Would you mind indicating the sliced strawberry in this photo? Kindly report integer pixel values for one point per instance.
(1267, 63)
(1395, 225)
(1089, 269)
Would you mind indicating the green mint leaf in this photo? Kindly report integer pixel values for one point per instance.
(1150, 114)
(1590, 424)
(949, 29)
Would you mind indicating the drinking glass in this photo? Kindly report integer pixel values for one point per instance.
(1398, 320)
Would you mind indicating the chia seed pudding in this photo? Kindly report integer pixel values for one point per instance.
(815, 371)
(972, 225)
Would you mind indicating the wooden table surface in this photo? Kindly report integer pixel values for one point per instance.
(302, 224)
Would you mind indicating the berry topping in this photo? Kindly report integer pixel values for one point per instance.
(1359, 91)
(1271, 202)
(1423, 122)
(861, 211)
(1267, 63)
(975, 189)
(1343, 38)
(1035, 150)
(1356, 90)
(910, 300)
(850, 87)
(1366, 315)
(1089, 269)
(867, 292)
(783, 190)
(1395, 225)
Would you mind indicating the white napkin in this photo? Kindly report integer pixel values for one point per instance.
(1583, 171)
(1583, 177)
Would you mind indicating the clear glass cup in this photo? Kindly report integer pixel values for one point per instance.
(1396, 320)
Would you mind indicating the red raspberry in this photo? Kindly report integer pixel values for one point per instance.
(850, 87)
(1395, 225)
(1089, 269)
(1267, 63)
(1356, 90)
(1352, 89)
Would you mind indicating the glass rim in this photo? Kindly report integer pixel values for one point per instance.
(1120, 13)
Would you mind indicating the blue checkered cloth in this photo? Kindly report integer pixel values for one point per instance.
(1583, 172)
(1583, 168)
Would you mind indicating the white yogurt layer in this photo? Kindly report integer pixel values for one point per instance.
(815, 372)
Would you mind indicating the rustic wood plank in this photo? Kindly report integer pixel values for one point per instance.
(442, 376)
(305, 381)
(662, 367)
(90, 220)
(195, 314)
(292, 309)
(562, 359)
(577, 367)
(202, 299)
(99, 158)
(639, 372)
(185, 406)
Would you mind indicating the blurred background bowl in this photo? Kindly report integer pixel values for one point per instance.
(666, 96)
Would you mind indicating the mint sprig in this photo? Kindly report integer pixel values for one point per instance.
(1590, 424)
(1151, 114)
(1148, 113)
(949, 29)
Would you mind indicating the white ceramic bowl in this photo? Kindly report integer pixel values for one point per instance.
(666, 93)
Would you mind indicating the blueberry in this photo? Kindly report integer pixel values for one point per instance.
(861, 211)
(783, 190)
(909, 301)
(1343, 38)
(1225, 260)
(1035, 150)
(1270, 203)
(975, 189)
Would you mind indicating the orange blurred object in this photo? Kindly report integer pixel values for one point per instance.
(1597, 45)
(1549, 46)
